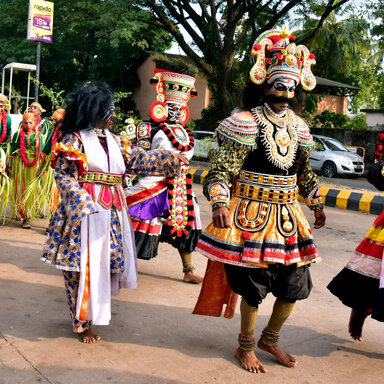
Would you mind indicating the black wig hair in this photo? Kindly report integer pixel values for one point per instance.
(253, 95)
(88, 103)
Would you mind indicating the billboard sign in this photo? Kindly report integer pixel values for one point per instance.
(40, 21)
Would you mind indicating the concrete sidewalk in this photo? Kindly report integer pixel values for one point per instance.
(154, 339)
(340, 198)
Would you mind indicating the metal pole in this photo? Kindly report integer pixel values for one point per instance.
(29, 81)
(2, 82)
(10, 85)
(38, 50)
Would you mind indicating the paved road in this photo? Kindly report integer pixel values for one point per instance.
(358, 183)
(153, 338)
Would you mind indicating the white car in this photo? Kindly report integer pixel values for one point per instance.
(331, 157)
(206, 145)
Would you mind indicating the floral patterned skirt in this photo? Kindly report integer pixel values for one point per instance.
(62, 246)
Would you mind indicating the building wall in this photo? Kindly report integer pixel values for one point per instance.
(336, 104)
(145, 95)
(375, 120)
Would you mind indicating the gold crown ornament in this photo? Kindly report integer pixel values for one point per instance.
(277, 56)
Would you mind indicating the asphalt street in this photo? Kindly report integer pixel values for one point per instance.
(154, 338)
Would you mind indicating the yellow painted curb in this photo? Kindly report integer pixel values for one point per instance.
(365, 203)
(205, 173)
(342, 199)
(323, 193)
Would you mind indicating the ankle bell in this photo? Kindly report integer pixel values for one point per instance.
(246, 343)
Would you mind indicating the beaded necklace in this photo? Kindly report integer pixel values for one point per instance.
(279, 120)
(280, 146)
(180, 137)
(22, 149)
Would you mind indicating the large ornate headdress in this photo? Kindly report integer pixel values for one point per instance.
(171, 87)
(278, 56)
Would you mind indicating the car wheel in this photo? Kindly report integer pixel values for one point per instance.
(328, 169)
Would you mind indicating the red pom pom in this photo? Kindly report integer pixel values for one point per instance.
(245, 235)
(312, 56)
(292, 38)
(274, 38)
(290, 240)
(279, 55)
(379, 147)
(381, 136)
(256, 47)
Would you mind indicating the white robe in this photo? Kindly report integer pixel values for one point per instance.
(95, 236)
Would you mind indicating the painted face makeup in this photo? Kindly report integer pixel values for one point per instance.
(174, 112)
(284, 88)
(280, 94)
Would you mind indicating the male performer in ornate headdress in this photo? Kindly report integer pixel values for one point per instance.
(166, 209)
(259, 240)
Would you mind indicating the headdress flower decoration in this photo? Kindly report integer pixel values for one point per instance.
(276, 55)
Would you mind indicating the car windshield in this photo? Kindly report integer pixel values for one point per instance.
(335, 145)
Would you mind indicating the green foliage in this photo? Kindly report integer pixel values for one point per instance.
(339, 121)
(56, 97)
(221, 35)
(175, 64)
(209, 146)
(346, 52)
(191, 125)
(312, 102)
(92, 40)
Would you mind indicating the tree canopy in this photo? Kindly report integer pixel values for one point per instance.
(221, 34)
(108, 39)
(92, 40)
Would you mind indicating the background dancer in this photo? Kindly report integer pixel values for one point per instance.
(22, 167)
(360, 284)
(5, 123)
(166, 210)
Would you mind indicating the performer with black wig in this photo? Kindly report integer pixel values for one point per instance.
(166, 209)
(259, 240)
(90, 237)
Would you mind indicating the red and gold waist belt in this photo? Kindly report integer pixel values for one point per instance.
(268, 195)
(101, 178)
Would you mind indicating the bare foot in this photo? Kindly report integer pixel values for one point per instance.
(249, 361)
(282, 356)
(89, 337)
(356, 322)
(192, 277)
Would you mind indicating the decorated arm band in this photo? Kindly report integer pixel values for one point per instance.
(70, 154)
(314, 199)
(218, 193)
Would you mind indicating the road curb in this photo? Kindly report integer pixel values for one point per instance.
(338, 198)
